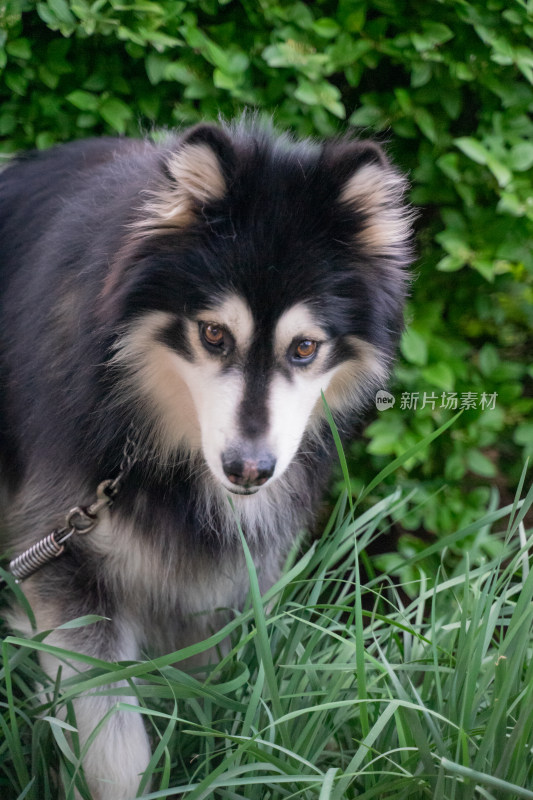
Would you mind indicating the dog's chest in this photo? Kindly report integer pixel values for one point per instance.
(179, 580)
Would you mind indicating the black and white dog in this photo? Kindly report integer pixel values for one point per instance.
(201, 293)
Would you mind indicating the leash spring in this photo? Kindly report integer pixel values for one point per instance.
(36, 557)
(79, 520)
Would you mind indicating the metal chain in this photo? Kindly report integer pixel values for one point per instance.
(79, 520)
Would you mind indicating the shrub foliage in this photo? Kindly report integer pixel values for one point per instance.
(447, 84)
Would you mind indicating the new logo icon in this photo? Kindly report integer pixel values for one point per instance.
(384, 400)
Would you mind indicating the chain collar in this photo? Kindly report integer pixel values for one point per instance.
(79, 520)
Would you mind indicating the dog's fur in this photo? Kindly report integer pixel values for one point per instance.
(118, 260)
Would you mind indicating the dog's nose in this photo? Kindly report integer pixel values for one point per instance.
(249, 471)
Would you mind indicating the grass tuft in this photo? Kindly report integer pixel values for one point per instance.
(409, 684)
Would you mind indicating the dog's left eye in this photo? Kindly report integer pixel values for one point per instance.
(303, 352)
(215, 337)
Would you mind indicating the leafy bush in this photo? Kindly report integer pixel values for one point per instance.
(448, 84)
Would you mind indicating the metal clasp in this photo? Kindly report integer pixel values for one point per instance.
(80, 519)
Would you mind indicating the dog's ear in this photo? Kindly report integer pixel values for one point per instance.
(369, 186)
(203, 164)
(195, 173)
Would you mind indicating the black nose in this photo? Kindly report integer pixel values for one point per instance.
(249, 471)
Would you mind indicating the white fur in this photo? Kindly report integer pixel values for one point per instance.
(119, 754)
(120, 751)
(144, 572)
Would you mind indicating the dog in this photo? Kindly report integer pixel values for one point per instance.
(172, 317)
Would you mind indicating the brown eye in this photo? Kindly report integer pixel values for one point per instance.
(216, 338)
(213, 334)
(305, 350)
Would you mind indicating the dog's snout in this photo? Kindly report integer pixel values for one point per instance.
(249, 472)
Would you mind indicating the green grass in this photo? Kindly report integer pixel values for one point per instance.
(411, 683)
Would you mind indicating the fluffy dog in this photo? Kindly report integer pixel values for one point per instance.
(199, 294)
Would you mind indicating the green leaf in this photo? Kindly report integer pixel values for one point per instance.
(115, 113)
(161, 41)
(176, 71)
(504, 788)
(449, 164)
(82, 622)
(326, 27)
(85, 101)
(464, 72)
(7, 124)
(61, 10)
(57, 15)
(300, 14)
(44, 140)
(384, 443)
(156, 66)
(480, 464)
(366, 116)
(485, 267)
(440, 375)
(49, 78)
(320, 94)
(210, 50)
(473, 149)
(414, 347)
(420, 74)
(426, 123)
(454, 468)
(453, 241)
(452, 102)
(502, 174)
(433, 34)
(17, 82)
(523, 435)
(19, 48)
(451, 263)
(224, 81)
(521, 157)
(87, 120)
(295, 55)
(489, 360)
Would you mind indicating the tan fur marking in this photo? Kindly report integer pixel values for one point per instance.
(352, 381)
(377, 192)
(197, 178)
(196, 169)
(154, 381)
(297, 321)
(234, 314)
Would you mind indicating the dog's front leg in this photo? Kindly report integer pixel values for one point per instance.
(115, 760)
(119, 753)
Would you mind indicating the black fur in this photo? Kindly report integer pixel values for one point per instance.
(75, 272)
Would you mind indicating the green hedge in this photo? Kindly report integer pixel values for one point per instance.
(448, 84)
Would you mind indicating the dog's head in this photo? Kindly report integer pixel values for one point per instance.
(258, 274)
